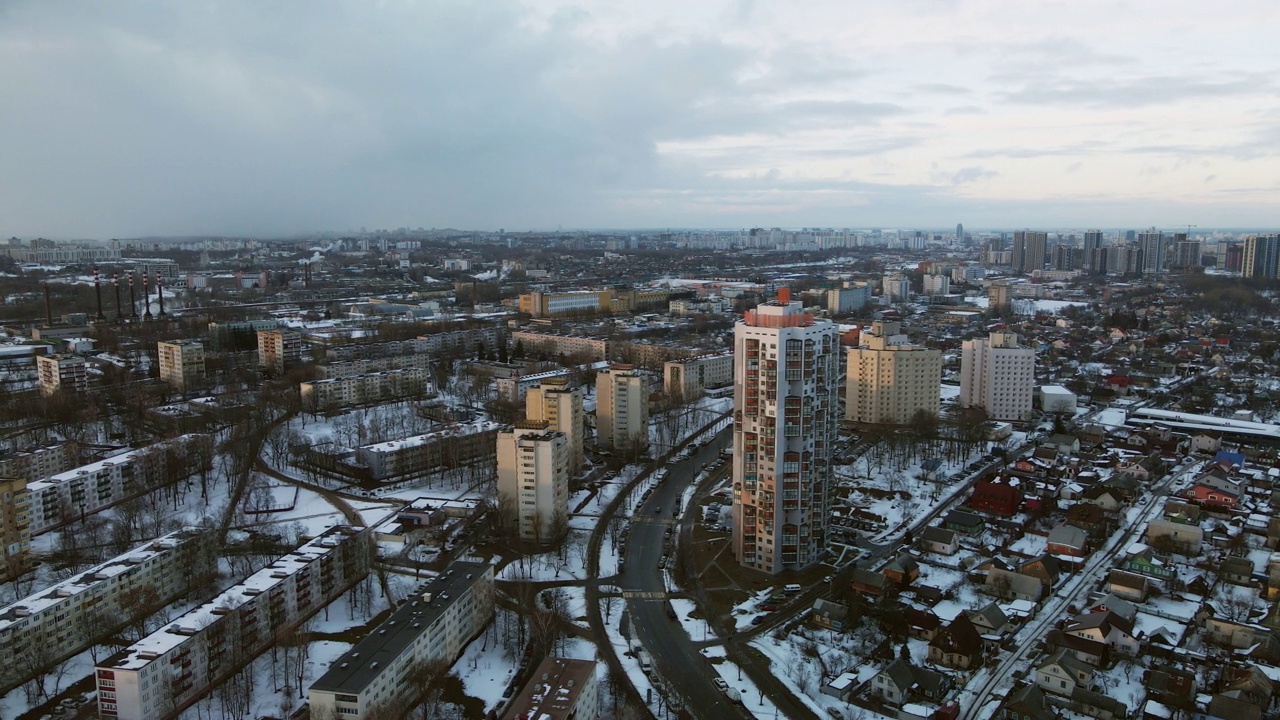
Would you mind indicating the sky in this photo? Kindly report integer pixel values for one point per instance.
(133, 118)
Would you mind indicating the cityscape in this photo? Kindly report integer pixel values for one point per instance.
(592, 360)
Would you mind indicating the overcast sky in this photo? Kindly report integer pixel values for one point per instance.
(262, 118)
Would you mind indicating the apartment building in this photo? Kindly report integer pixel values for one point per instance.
(279, 350)
(56, 623)
(533, 480)
(622, 409)
(554, 401)
(15, 529)
(364, 366)
(38, 463)
(691, 376)
(515, 388)
(92, 487)
(164, 673)
(552, 304)
(851, 298)
(896, 287)
(409, 382)
(553, 345)
(998, 374)
(786, 410)
(457, 446)
(242, 333)
(61, 372)
(435, 624)
(889, 380)
(181, 364)
(560, 689)
(465, 341)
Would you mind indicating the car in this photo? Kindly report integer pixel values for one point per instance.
(720, 684)
(758, 619)
(657, 510)
(767, 607)
(828, 579)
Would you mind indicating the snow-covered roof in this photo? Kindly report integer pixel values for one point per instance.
(94, 467)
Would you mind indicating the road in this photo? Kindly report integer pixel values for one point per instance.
(987, 681)
(676, 658)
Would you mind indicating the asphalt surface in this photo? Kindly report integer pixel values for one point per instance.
(676, 659)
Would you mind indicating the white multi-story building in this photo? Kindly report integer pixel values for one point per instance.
(61, 372)
(786, 393)
(374, 387)
(165, 672)
(181, 363)
(364, 366)
(851, 298)
(455, 447)
(92, 487)
(533, 480)
(622, 408)
(56, 623)
(692, 376)
(515, 389)
(937, 284)
(38, 463)
(560, 689)
(998, 375)
(561, 406)
(889, 380)
(433, 625)
(897, 288)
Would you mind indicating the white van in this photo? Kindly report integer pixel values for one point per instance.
(792, 589)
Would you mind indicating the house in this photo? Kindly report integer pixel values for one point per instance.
(1068, 540)
(1107, 498)
(1273, 532)
(1091, 519)
(1090, 651)
(1206, 442)
(989, 620)
(1177, 537)
(964, 522)
(1235, 633)
(1236, 570)
(933, 469)
(1226, 707)
(1127, 585)
(1008, 584)
(921, 624)
(1181, 510)
(1117, 605)
(1213, 495)
(1105, 627)
(1064, 443)
(958, 645)
(902, 570)
(829, 615)
(869, 582)
(893, 684)
(995, 498)
(1044, 568)
(1144, 561)
(1171, 686)
(1229, 459)
(1098, 705)
(1063, 672)
(940, 540)
(1249, 683)
(841, 687)
(1026, 702)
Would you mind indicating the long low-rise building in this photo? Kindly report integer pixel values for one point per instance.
(377, 676)
(89, 488)
(383, 386)
(554, 345)
(164, 673)
(560, 689)
(456, 446)
(696, 374)
(364, 366)
(44, 629)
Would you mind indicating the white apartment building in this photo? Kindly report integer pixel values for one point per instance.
(533, 480)
(889, 380)
(61, 372)
(374, 387)
(365, 366)
(560, 689)
(622, 408)
(181, 363)
(279, 350)
(998, 375)
(38, 463)
(62, 620)
(561, 406)
(515, 389)
(164, 673)
(692, 376)
(937, 284)
(897, 288)
(785, 401)
(851, 298)
(435, 624)
(92, 487)
(456, 446)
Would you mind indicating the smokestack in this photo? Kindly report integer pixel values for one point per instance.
(160, 293)
(133, 300)
(97, 289)
(146, 294)
(48, 307)
(115, 280)
(784, 295)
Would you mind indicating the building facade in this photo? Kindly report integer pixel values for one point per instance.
(1151, 245)
(279, 350)
(52, 625)
(690, 377)
(409, 382)
(38, 463)
(998, 375)
(15, 529)
(1261, 256)
(786, 385)
(1029, 250)
(560, 689)
(434, 625)
(465, 445)
(560, 405)
(533, 480)
(554, 345)
(167, 671)
(889, 380)
(60, 372)
(851, 298)
(622, 409)
(181, 364)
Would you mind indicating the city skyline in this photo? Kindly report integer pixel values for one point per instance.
(142, 120)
